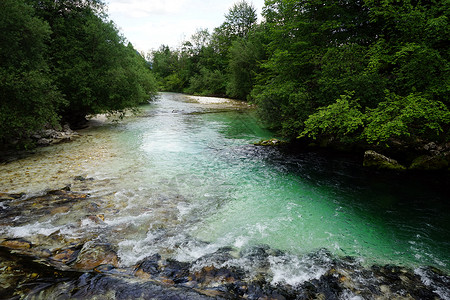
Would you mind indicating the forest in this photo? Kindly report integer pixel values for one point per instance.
(358, 72)
(63, 60)
(367, 72)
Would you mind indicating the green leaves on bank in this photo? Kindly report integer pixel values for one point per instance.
(28, 96)
(397, 117)
(62, 60)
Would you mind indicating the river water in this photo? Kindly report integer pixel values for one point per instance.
(183, 179)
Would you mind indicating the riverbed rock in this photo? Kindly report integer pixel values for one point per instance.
(396, 282)
(429, 162)
(149, 267)
(93, 255)
(376, 160)
(19, 244)
(66, 256)
(53, 136)
(60, 210)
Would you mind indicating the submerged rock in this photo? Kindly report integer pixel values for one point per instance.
(66, 256)
(376, 160)
(270, 142)
(93, 255)
(16, 244)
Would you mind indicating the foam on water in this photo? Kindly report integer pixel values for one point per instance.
(441, 287)
(37, 228)
(295, 270)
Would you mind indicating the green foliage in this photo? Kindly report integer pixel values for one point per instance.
(244, 60)
(322, 48)
(165, 64)
(340, 119)
(95, 71)
(64, 59)
(396, 117)
(28, 97)
(207, 83)
(411, 117)
(222, 63)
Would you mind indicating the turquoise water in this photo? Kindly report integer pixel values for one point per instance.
(241, 195)
(184, 179)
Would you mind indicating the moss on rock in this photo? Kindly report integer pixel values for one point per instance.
(376, 160)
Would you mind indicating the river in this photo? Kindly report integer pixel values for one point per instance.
(182, 179)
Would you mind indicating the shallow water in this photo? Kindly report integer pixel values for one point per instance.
(183, 179)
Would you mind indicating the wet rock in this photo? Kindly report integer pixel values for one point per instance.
(82, 178)
(92, 207)
(97, 219)
(174, 270)
(373, 159)
(395, 281)
(270, 142)
(19, 244)
(60, 210)
(435, 280)
(428, 162)
(211, 276)
(4, 196)
(66, 256)
(149, 267)
(93, 255)
(44, 142)
(257, 256)
(328, 286)
(168, 272)
(53, 136)
(216, 258)
(211, 292)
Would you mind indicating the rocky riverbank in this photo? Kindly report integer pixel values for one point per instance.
(419, 156)
(43, 138)
(85, 265)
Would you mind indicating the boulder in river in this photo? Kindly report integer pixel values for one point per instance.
(376, 160)
(431, 162)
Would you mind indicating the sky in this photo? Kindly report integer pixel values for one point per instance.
(148, 24)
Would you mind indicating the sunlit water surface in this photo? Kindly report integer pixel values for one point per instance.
(183, 179)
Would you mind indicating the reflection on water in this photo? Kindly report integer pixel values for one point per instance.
(183, 179)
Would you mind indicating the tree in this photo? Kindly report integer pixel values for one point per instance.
(245, 56)
(167, 68)
(90, 63)
(239, 21)
(28, 96)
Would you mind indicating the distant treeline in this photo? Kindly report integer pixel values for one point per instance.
(61, 60)
(356, 71)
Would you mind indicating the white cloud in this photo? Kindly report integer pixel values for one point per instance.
(147, 24)
(144, 8)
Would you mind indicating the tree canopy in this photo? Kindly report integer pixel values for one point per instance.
(62, 60)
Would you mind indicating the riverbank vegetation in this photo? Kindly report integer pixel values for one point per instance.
(366, 72)
(62, 60)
